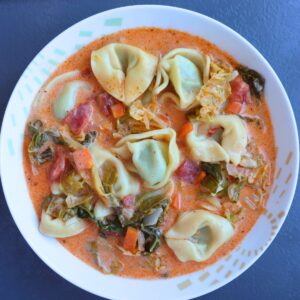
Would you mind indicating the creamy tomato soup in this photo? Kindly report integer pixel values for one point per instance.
(150, 153)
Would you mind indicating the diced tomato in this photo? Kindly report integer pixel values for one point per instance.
(212, 131)
(240, 91)
(58, 166)
(188, 171)
(79, 118)
(128, 201)
(83, 159)
(106, 101)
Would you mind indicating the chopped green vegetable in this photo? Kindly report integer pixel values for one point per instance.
(147, 203)
(89, 138)
(40, 148)
(110, 176)
(108, 198)
(215, 180)
(55, 135)
(84, 213)
(35, 127)
(110, 224)
(37, 141)
(73, 184)
(56, 207)
(254, 79)
(234, 190)
(152, 238)
(44, 156)
(233, 217)
(97, 184)
(73, 201)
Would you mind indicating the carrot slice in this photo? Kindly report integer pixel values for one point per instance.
(118, 110)
(83, 159)
(200, 177)
(185, 129)
(131, 238)
(176, 201)
(233, 107)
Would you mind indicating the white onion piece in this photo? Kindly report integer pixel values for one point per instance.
(101, 211)
(141, 241)
(153, 218)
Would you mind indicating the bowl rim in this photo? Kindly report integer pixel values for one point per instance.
(219, 24)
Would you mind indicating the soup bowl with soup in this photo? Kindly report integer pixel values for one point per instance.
(149, 154)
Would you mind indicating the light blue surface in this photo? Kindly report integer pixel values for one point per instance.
(273, 27)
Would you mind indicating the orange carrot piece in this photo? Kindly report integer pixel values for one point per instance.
(233, 107)
(118, 110)
(185, 129)
(131, 238)
(176, 201)
(200, 177)
(83, 159)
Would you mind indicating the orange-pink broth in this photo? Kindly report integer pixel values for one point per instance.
(156, 41)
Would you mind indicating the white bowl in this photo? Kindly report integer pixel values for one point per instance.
(71, 268)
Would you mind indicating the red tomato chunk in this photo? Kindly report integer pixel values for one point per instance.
(106, 101)
(58, 166)
(188, 171)
(79, 118)
(240, 91)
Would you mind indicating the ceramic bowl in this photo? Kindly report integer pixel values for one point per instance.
(58, 258)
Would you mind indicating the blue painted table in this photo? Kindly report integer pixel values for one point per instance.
(273, 27)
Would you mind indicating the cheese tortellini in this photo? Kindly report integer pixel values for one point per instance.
(124, 71)
(197, 234)
(41, 96)
(154, 154)
(205, 149)
(67, 96)
(233, 142)
(61, 229)
(125, 183)
(187, 69)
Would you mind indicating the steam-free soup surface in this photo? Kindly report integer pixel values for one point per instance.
(158, 42)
